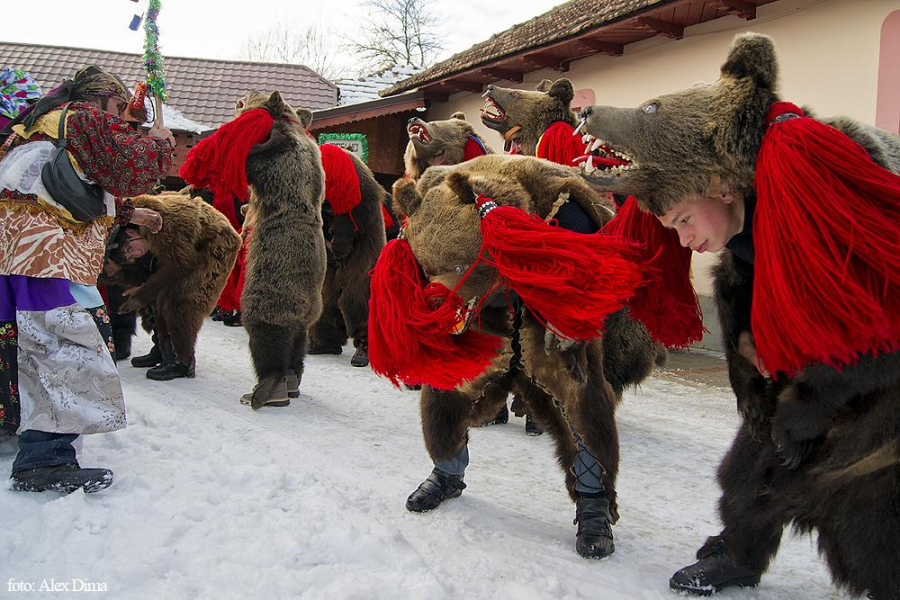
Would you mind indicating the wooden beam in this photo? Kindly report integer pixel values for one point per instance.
(603, 47)
(740, 8)
(545, 60)
(669, 30)
(468, 86)
(506, 74)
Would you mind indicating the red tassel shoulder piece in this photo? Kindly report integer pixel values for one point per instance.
(559, 144)
(341, 180)
(827, 238)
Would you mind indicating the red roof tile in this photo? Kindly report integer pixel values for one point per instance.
(203, 90)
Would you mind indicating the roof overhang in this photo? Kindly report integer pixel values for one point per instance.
(667, 19)
(367, 110)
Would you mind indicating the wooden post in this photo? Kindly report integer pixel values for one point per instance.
(158, 121)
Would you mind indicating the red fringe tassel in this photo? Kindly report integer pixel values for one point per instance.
(410, 325)
(219, 162)
(341, 179)
(558, 144)
(571, 280)
(827, 238)
(668, 307)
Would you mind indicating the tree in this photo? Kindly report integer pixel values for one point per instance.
(288, 43)
(401, 32)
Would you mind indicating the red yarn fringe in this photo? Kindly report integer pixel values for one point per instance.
(219, 162)
(410, 325)
(341, 179)
(388, 219)
(827, 238)
(473, 149)
(572, 281)
(559, 145)
(668, 307)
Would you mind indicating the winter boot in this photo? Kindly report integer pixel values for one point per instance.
(170, 371)
(361, 356)
(151, 359)
(502, 417)
(715, 570)
(439, 486)
(594, 538)
(292, 384)
(316, 348)
(216, 314)
(62, 478)
(123, 346)
(231, 318)
(277, 397)
(532, 428)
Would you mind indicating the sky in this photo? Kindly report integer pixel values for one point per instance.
(218, 29)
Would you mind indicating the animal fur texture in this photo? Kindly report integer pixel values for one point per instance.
(193, 253)
(355, 241)
(561, 389)
(282, 294)
(438, 143)
(821, 450)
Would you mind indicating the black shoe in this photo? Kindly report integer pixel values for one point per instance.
(315, 348)
(167, 372)
(361, 356)
(594, 538)
(62, 478)
(151, 359)
(216, 314)
(439, 486)
(715, 570)
(232, 318)
(502, 417)
(532, 428)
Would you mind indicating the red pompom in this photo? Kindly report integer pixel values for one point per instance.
(668, 305)
(410, 327)
(827, 237)
(572, 281)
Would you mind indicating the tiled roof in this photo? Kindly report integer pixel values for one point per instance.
(364, 89)
(203, 90)
(571, 31)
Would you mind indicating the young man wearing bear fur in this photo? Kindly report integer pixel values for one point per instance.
(819, 445)
(448, 142)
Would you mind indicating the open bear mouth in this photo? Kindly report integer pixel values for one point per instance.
(600, 155)
(464, 317)
(491, 112)
(418, 132)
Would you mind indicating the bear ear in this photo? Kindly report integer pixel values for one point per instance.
(752, 55)
(461, 186)
(305, 116)
(562, 90)
(275, 101)
(544, 85)
(406, 198)
(458, 115)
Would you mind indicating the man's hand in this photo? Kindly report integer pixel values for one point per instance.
(747, 347)
(162, 133)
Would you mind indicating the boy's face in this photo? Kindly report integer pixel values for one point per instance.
(705, 224)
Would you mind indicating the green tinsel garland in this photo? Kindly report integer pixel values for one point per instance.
(153, 60)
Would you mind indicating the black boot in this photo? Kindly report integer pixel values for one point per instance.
(169, 371)
(532, 428)
(501, 418)
(594, 538)
(361, 356)
(123, 346)
(715, 570)
(439, 486)
(151, 359)
(216, 314)
(62, 478)
(231, 318)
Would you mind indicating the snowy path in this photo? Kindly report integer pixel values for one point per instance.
(213, 500)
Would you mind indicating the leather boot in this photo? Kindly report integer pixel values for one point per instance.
(151, 359)
(715, 570)
(361, 356)
(439, 486)
(169, 371)
(594, 538)
(277, 397)
(62, 478)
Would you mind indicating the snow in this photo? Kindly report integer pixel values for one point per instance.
(365, 89)
(215, 500)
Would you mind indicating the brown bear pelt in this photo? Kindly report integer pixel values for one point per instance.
(821, 450)
(355, 240)
(193, 254)
(522, 116)
(434, 143)
(560, 388)
(282, 294)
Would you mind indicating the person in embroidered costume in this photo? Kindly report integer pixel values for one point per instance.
(807, 214)
(66, 378)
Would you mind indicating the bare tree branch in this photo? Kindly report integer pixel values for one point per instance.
(400, 32)
(288, 43)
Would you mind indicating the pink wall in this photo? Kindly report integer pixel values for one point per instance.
(887, 111)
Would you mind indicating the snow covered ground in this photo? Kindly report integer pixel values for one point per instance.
(214, 500)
